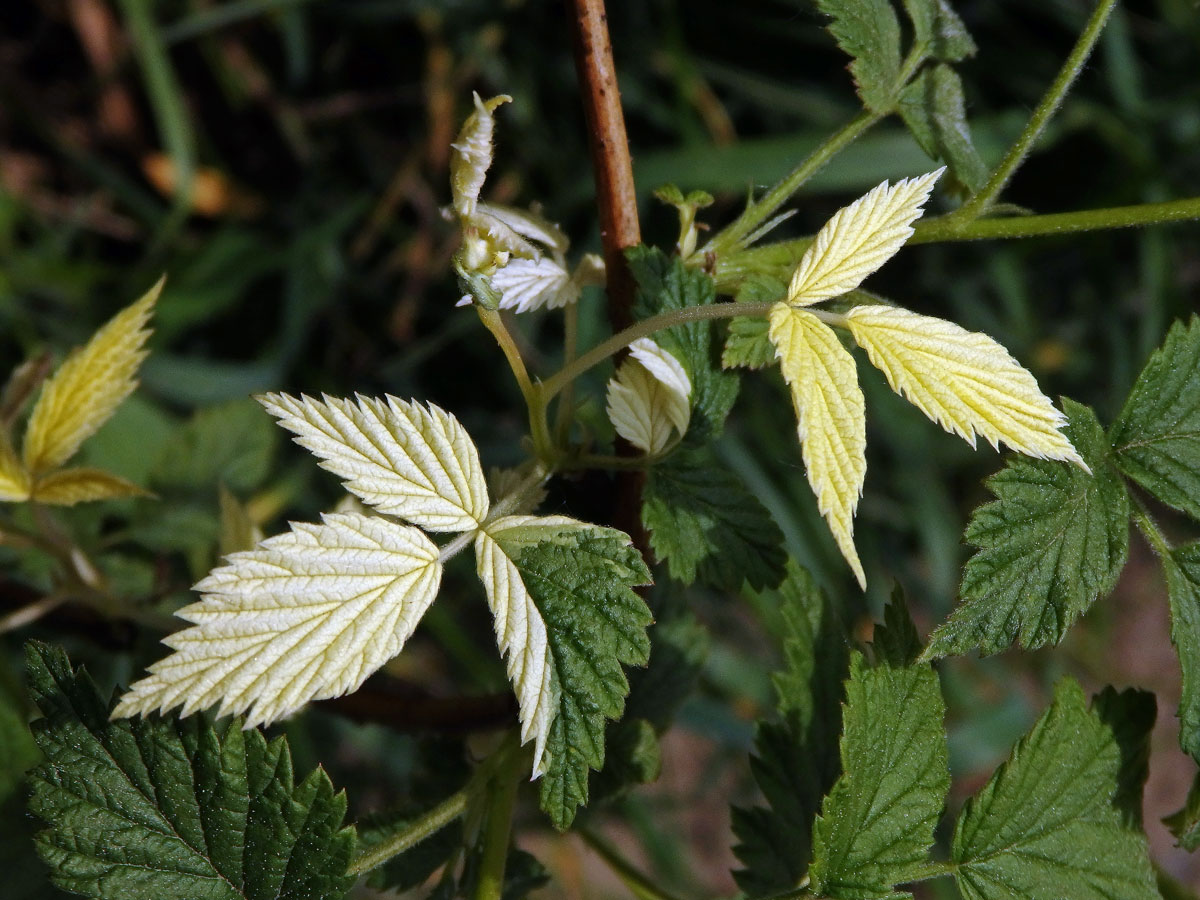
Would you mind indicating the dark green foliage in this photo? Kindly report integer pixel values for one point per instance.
(1183, 590)
(1156, 439)
(707, 526)
(231, 444)
(1054, 540)
(796, 758)
(582, 583)
(876, 824)
(937, 25)
(1053, 821)
(869, 33)
(665, 283)
(748, 343)
(152, 808)
(933, 109)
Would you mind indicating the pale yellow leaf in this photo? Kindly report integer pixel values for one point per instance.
(88, 387)
(648, 399)
(529, 284)
(472, 155)
(859, 239)
(963, 380)
(307, 615)
(831, 416)
(520, 633)
(66, 487)
(529, 224)
(402, 458)
(14, 480)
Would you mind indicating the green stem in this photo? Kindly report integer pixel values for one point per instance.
(1041, 115)
(731, 237)
(639, 885)
(502, 798)
(622, 339)
(947, 228)
(566, 402)
(1150, 530)
(433, 821)
(539, 428)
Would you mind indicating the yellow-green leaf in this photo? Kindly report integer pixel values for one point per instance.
(307, 615)
(78, 484)
(963, 380)
(88, 387)
(859, 238)
(832, 418)
(14, 480)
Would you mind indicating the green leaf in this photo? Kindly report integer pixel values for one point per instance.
(876, 824)
(1047, 824)
(1053, 541)
(581, 580)
(665, 283)
(796, 759)
(867, 31)
(1156, 438)
(233, 444)
(1183, 589)
(708, 527)
(938, 26)
(158, 808)
(932, 107)
(748, 343)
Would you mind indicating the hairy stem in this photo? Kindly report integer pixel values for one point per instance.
(1041, 115)
(433, 821)
(502, 798)
(1150, 530)
(622, 339)
(730, 239)
(539, 428)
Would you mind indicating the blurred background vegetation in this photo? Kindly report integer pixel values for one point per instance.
(311, 256)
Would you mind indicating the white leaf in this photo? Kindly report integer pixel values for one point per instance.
(963, 380)
(404, 459)
(529, 284)
(858, 239)
(307, 615)
(648, 399)
(520, 633)
(472, 155)
(529, 224)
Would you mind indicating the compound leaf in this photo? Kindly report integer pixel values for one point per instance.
(580, 578)
(141, 810)
(1054, 540)
(707, 526)
(963, 380)
(876, 824)
(1156, 438)
(1047, 824)
(88, 387)
(307, 615)
(402, 458)
(831, 418)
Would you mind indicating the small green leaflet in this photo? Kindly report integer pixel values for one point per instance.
(1156, 438)
(938, 26)
(1183, 588)
(1047, 824)
(1053, 541)
(876, 825)
(665, 283)
(707, 526)
(868, 32)
(932, 107)
(796, 759)
(748, 344)
(155, 808)
(581, 581)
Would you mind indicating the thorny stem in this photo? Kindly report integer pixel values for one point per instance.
(622, 339)
(1041, 116)
(616, 195)
(639, 885)
(729, 239)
